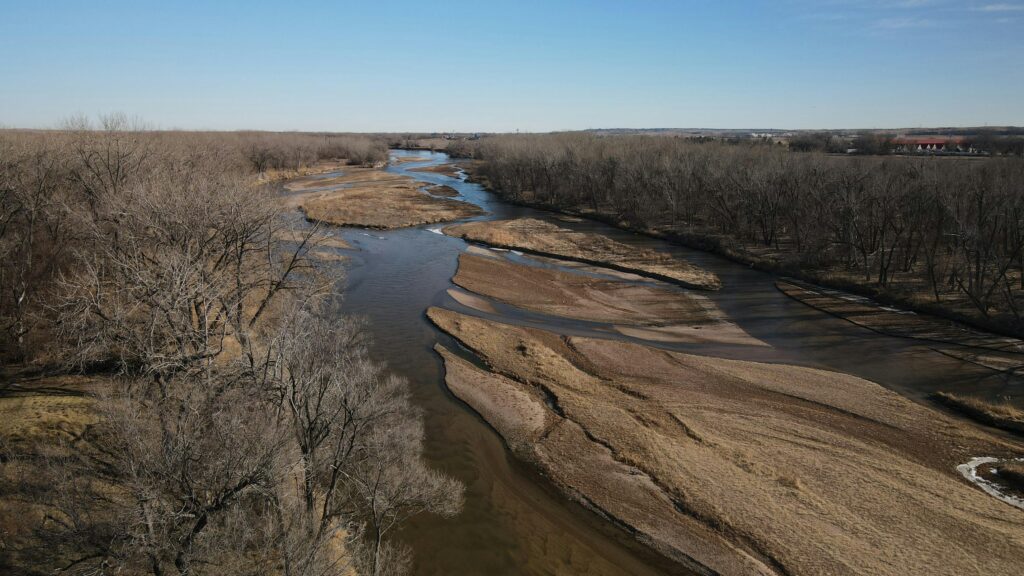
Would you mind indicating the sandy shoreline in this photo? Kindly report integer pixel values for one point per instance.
(664, 313)
(639, 434)
(374, 198)
(538, 237)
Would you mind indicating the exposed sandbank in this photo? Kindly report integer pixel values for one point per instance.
(641, 311)
(446, 169)
(442, 190)
(741, 467)
(372, 198)
(547, 239)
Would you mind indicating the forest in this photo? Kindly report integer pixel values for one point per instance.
(222, 416)
(945, 235)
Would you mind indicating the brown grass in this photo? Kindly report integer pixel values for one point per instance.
(38, 417)
(373, 198)
(1004, 416)
(1012, 472)
(640, 311)
(442, 190)
(547, 239)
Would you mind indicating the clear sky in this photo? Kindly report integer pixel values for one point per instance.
(499, 66)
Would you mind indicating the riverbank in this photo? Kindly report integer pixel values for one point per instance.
(546, 239)
(373, 198)
(766, 260)
(778, 432)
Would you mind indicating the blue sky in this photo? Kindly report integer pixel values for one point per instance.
(526, 65)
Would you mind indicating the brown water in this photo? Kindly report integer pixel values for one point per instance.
(514, 521)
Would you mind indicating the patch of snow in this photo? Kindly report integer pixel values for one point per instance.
(970, 472)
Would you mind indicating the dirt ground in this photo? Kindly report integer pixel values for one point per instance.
(373, 198)
(641, 311)
(741, 467)
(547, 239)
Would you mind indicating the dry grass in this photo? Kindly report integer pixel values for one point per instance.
(373, 198)
(743, 467)
(321, 167)
(442, 190)
(550, 240)
(445, 169)
(641, 311)
(1004, 416)
(43, 417)
(1013, 473)
(385, 207)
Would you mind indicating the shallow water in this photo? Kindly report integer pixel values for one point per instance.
(514, 522)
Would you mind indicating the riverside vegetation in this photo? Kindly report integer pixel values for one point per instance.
(179, 393)
(944, 235)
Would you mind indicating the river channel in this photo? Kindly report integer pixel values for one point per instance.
(514, 521)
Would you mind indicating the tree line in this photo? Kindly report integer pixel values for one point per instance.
(949, 231)
(243, 428)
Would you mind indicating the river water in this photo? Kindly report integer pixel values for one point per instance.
(514, 521)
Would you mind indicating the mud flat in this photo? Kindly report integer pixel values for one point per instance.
(738, 467)
(546, 239)
(637, 310)
(378, 200)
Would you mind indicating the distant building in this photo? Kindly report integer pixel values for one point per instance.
(931, 144)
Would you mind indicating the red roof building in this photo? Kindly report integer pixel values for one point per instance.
(931, 144)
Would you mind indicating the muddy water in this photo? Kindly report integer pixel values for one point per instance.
(514, 522)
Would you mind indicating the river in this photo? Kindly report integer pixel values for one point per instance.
(514, 521)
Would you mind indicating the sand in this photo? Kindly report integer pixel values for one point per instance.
(538, 237)
(383, 203)
(471, 301)
(46, 416)
(648, 312)
(442, 190)
(445, 169)
(741, 467)
(351, 176)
